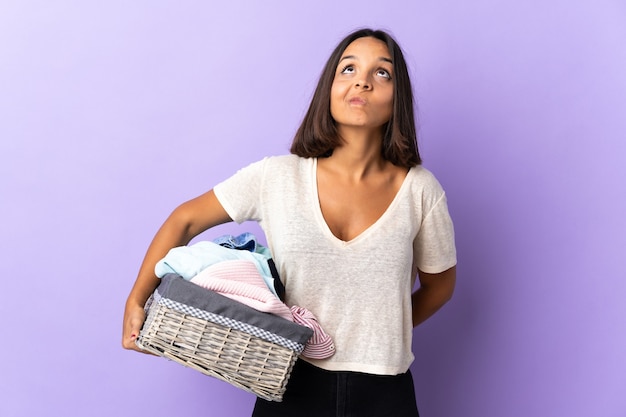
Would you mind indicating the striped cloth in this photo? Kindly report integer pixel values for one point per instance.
(320, 345)
(241, 281)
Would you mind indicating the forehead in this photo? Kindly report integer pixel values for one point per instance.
(367, 46)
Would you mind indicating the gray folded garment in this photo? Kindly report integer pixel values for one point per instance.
(176, 288)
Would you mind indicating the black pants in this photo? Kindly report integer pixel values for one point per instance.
(314, 392)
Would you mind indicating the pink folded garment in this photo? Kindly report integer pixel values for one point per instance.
(241, 281)
(320, 345)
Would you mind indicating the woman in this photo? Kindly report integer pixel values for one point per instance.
(351, 219)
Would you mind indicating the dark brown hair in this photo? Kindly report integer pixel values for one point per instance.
(317, 135)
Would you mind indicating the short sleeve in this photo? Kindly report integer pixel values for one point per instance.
(434, 247)
(241, 193)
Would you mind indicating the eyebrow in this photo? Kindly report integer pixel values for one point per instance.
(382, 58)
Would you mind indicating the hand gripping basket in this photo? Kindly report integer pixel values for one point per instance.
(222, 338)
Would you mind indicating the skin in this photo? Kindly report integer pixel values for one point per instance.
(355, 184)
(185, 222)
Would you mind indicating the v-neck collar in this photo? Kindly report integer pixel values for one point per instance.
(319, 216)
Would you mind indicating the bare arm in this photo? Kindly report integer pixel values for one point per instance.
(435, 290)
(186, 221)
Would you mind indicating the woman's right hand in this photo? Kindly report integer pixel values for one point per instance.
(134, 316)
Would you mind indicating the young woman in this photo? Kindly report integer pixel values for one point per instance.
(351, 219)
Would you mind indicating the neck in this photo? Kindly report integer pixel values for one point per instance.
(360, 153)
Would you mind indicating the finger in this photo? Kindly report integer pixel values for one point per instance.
(131, 332)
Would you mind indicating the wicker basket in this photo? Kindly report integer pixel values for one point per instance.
(238, 352)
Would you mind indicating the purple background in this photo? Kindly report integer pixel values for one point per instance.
(112, 113)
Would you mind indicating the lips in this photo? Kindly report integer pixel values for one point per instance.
(357, 101)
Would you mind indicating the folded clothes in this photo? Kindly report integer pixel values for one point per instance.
(320, 345)
(175, 288)
(245, 241)
(241, 281)
(189, 261)
(242, 270)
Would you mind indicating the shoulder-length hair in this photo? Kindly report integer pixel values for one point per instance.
(317, 135)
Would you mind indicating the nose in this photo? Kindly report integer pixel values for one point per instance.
(363, 83)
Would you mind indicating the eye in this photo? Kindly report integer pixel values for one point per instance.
(348, 69)
(383, 73)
